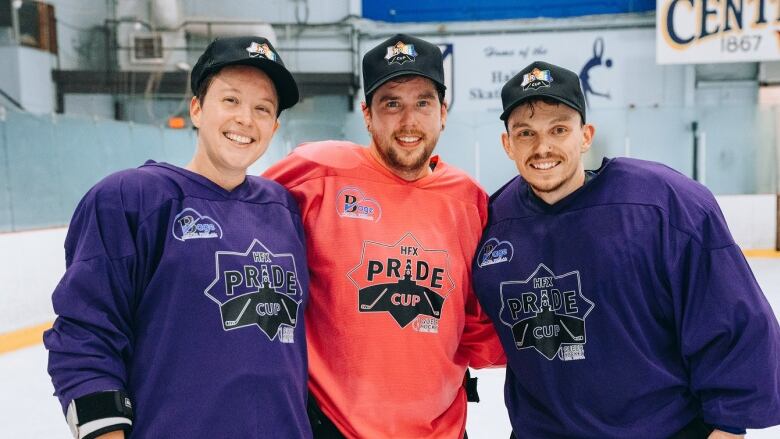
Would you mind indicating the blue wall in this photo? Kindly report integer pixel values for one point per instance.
(462, 10)
(47, 163)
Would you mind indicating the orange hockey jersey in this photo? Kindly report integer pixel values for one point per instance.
(392, 321)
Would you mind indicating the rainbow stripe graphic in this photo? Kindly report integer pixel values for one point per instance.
(536, 75)
(256, 49)
(400, 49)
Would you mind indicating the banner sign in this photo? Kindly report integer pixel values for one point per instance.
(616, 67)
(714, 31)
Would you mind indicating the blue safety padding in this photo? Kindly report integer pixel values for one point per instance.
(400, 11)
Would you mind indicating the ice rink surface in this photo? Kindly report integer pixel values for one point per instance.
(28, 409)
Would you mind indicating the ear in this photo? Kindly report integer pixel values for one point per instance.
(276, 126)
(366, 114)
(507, 146)
(588, 131)
(195, 111)
(443, 115)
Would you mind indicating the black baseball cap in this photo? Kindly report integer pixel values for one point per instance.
(402, 55)
(543, 80)
(251, 51)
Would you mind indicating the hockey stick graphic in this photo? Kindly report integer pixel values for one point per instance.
(287, 310)
(574, 337)
(376, 300)
(230, 323)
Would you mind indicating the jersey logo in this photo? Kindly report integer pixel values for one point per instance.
(189, 224)
(547, 313)
(404, 280)
(495, 252)
(257, 288)
(352, 203)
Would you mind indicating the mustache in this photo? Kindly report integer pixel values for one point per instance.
(544, 157)
(414, 133)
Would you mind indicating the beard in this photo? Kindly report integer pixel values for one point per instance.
(552, 186)
(567, 180)
(401, 161)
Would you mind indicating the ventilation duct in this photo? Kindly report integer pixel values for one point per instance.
(166, 14)
(211, 28)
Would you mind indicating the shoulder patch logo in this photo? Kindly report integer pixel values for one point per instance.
(405, 280)
(400, 53)
(352, 203)
(536, 79)
(257, 288)
(547, 313)
(495, 252)
(189, 224)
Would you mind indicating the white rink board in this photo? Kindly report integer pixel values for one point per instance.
(31, 263)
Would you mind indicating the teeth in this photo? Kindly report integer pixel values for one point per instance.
(238, 138)
(408, 139)
(544, 165)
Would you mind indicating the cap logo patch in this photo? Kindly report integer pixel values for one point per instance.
(536, 79)
(256, 50)
(400, 53)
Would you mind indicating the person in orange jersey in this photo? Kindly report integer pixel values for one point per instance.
(391, 230)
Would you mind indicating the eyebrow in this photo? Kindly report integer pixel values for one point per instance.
(556, 120)
(229, 89)
(388, 98)
(425, 95)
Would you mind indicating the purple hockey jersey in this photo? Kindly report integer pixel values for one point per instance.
(189, 297)
(626, 309)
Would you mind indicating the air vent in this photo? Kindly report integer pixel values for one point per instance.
(37, 25)
(147, 48)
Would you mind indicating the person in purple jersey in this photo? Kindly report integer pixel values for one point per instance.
(180, 311)
(623, 304)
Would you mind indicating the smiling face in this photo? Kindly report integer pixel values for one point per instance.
(235, 122)
(405, 120)
(546, 141)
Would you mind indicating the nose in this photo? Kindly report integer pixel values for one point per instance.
(543, 145)
(243, 115)
(407, 117)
